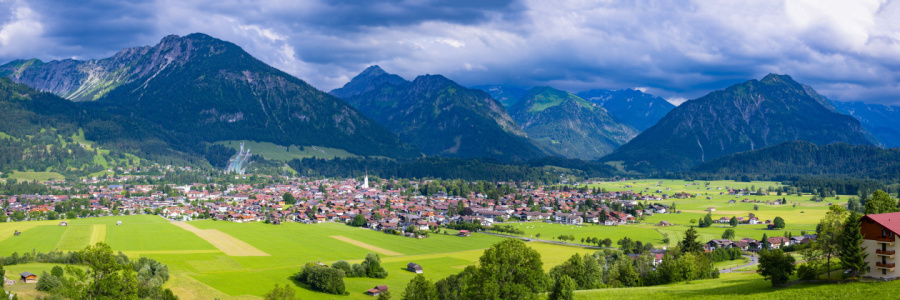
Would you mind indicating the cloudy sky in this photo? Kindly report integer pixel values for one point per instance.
(847, 50)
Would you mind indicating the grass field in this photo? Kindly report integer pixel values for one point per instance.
(272, 151)
(206, 261)
(748, 286)
(36, 176)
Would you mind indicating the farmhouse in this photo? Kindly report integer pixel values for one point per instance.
(414, 267)
(879, 241)
(28, 277)
(377, 290)
(464, 233)
(63, 223)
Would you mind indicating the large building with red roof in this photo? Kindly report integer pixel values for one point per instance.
(880, 233)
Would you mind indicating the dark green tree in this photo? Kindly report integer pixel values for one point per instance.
(289, 199)
(776, 266)
(358, 221)
(728, 234)
(880, 203)
(508, 270)
(563, 289)
(733, 222)
(852, 254)
(778, 223)
(420, 288)
(57, 271)
(281, 293)
(691, 242)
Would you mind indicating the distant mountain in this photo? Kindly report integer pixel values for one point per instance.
(440, 116)
(882, 120)
(743, 117)
(506, 95)
(370, 79)
(569, 126)
(207, 90)
(634, 107)
(804, 158)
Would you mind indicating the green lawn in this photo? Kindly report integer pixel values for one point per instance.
(272, 151)
(748, 286)
(36, 176)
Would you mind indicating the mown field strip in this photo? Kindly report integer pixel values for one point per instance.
(7, 231)
(99, 234)
(365, 246)
(150, 252)
(227, 244)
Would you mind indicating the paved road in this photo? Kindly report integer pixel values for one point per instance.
(753, 261)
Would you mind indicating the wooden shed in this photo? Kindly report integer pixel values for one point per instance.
(28, 277)
(414, 267)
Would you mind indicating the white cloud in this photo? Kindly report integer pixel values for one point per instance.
(849, 50)
(21, 36)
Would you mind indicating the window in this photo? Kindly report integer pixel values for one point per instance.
(883, 271)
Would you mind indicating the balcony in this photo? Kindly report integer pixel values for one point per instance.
(889, 266)
(885, 240)
(885, 253)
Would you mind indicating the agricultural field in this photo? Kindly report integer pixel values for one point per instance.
(202, 269)
(275, 152)
(226, 260)
(36, 176)
(800, 214)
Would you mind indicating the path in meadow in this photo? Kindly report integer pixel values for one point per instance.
(753, 261)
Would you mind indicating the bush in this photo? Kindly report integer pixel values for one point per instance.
(323, 279)
(806, 272)
(57, 271)
(47, 282)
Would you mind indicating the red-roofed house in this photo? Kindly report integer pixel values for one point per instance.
(879, 239)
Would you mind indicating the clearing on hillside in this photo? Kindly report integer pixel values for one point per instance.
(364, 245)
(226, 243)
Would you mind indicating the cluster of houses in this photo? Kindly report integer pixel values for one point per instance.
(753, 245)
(329, 200)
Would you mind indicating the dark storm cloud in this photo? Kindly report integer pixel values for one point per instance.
(848, 50)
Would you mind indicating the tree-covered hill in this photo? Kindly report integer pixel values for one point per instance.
(743, 117)
(801, 158)
(569, 126)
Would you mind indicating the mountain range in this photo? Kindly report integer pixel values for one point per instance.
(882, 120)
(439, 116)
(206, 90)
(743, 117)
(171, 102)
(568, 126)
(506, 95)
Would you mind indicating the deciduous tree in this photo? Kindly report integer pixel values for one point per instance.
(776, 266)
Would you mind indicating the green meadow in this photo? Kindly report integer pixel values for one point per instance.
(271, 151)
(200, 270)
(748, 285)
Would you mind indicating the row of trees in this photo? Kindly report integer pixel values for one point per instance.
(331, 280)
(105, 275)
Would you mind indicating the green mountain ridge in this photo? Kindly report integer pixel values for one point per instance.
(569, 126)
(200, 90)
(801, 158)
(440, 116)
(743, 117)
